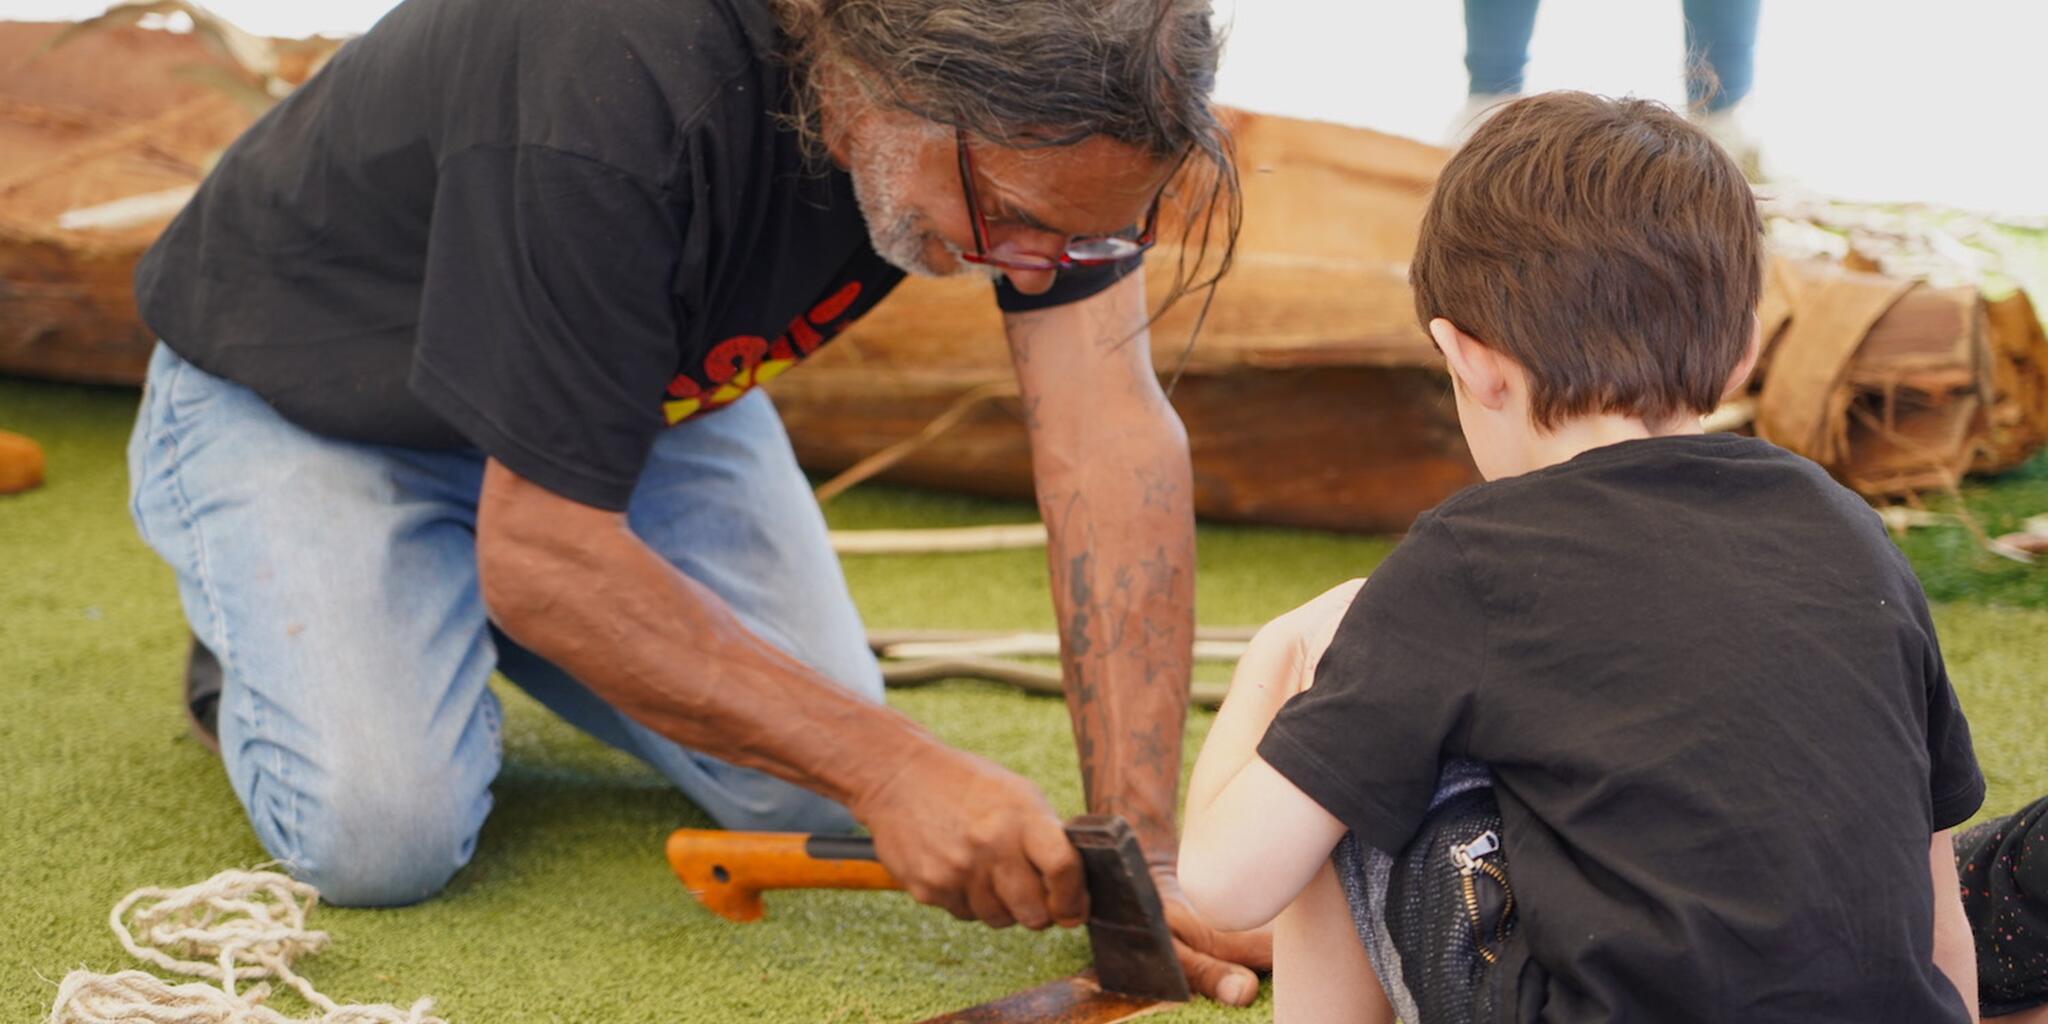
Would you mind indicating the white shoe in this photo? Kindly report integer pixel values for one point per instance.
(1725, 127)
(1478, 107)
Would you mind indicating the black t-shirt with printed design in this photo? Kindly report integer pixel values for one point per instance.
(545, 230)
(1722, 734)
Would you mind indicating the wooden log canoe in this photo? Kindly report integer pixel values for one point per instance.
(121, 121)
(1311, 396)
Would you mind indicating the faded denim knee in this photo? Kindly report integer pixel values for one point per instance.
(385, 841)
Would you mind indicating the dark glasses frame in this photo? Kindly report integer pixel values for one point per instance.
(1080, 251)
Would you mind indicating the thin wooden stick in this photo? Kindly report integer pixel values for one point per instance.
(1901, 518)
(1028, 645)
(1733, 414)
(2020, 547)
(1006, 537)
(1029, 678)
(880, 461)
(120, 214)
(882, 638)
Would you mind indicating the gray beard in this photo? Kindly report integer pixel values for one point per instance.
(898, 234)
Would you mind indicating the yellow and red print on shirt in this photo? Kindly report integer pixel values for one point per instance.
(734, 366)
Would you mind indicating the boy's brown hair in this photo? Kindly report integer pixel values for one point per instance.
(1610, 248)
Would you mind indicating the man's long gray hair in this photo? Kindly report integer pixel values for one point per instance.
(1042, 73)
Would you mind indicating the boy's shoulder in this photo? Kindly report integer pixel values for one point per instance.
(1734, 476)
(1691, 512)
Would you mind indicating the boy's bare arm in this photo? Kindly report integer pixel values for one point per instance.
(1252, 840)
(1955, 951)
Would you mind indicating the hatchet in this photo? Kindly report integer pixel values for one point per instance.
(1135, 966)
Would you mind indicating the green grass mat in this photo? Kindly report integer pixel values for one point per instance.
(568, 912)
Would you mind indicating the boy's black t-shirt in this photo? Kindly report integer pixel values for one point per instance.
(1708, 687)
(542, 229)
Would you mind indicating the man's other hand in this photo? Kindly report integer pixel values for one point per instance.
(1219, 964)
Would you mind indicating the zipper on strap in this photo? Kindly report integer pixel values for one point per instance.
(1471, 863)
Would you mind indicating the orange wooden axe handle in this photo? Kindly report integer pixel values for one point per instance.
(728, 871)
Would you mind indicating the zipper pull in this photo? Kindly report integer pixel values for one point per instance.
(1470, 867)
(1466, 857)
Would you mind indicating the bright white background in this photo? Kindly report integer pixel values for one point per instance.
(1942, 101)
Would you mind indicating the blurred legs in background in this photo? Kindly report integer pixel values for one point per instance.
(1720, 46)
(1497, 34)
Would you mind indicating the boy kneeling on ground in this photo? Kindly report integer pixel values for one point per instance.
(1651, 726)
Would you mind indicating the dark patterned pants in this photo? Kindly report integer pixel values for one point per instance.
(1433, 922)
(2004, 869)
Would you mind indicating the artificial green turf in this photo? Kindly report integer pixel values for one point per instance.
(1954, 566)
(568, 912)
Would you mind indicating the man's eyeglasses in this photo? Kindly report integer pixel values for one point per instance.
(1081, 251)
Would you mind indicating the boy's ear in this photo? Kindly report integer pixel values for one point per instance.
(1739, 379)
(1477, 368)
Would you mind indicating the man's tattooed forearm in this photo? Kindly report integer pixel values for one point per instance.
(1160, 491)
(1151, 750)
(1078, 639)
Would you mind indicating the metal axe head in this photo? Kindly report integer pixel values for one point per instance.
(1126, 920)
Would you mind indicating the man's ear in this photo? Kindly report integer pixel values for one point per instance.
(1739, 379)
(1477, 368)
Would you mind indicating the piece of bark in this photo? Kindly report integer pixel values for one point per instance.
(1911, 447)
(1802, 403)
(2018, 418)
(1076, 1000)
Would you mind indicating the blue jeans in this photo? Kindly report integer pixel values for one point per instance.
(1720, 38)
(337, 584)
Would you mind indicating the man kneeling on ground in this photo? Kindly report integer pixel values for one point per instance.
(462, 346)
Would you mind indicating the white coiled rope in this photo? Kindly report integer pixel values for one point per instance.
(236, 926)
